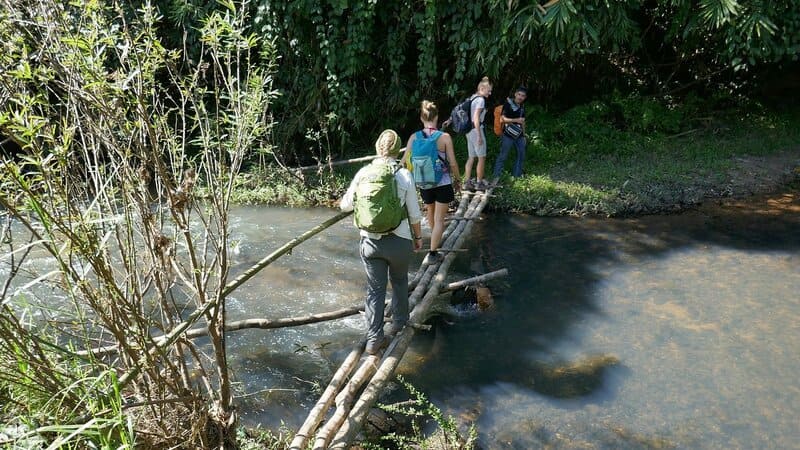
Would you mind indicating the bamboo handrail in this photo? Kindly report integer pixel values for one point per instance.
(173, 335)
(339, 163)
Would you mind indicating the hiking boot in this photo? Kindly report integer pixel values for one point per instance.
(480, 186)
(374, 347)
(469, 185)
(392, 329)
(433, 257)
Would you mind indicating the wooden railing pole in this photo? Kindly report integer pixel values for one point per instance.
(173, 335)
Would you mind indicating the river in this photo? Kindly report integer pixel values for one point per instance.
(675, 331)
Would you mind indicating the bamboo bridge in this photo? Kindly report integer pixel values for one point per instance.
(339, 414)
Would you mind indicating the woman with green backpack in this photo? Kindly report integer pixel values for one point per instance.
(386, 211)
(431, 159)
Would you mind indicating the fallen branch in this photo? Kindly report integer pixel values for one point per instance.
(683, 133)
(475, 280)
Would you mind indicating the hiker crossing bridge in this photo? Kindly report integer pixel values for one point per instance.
(339, 414)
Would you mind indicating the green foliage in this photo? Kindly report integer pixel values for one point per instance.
(85, 412)
(545, 196)
(447, 434)
(608, 158)
(278, 187)
(116, 132)
(260, 439)
(353, 68)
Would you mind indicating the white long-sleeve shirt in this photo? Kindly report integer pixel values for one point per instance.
(407, 192)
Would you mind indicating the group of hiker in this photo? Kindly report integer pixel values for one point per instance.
(383, 196)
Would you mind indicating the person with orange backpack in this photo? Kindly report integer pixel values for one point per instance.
(511, 129)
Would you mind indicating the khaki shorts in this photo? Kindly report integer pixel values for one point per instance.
(473, 149)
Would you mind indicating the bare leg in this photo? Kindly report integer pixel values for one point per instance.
(437, 227)
(468, 167)
(479, 169)
(430, 210)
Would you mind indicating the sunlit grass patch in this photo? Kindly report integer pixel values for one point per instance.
(545, 196)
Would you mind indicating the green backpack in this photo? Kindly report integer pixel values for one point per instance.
(376, 204)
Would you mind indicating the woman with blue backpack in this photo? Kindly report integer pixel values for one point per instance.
(431, 159)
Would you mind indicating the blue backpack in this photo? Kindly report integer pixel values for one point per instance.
(427, 166)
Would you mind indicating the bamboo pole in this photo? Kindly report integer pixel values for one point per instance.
(463, 206)
(324, 403)
(282, 251)
(340, 162)
(173, 335)
(343, 401)
(475, 280)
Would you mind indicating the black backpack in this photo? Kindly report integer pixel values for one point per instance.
(460, 117)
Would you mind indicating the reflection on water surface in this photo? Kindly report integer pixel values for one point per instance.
(655, 332)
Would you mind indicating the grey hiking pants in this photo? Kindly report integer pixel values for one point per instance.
(385, 258)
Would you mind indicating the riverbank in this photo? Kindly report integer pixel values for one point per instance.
(606, 158)
(738, 176)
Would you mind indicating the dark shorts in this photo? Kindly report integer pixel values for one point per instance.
(440, 194)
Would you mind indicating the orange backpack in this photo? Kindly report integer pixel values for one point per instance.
(498, 120)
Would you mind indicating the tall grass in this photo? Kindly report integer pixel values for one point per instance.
(633, 155)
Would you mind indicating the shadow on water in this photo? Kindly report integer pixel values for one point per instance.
(651, 332)
(557, 266)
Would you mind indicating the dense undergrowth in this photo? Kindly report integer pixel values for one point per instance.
(617, 156)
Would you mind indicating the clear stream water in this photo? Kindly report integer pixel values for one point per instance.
(678, 331)
(675, 331)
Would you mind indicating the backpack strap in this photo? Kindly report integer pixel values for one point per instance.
(406, 215)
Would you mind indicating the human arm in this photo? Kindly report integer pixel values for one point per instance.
(519, 120)
(480, 104)
(507, 111)
(416, 233)
(455, 175)
(346, 202)
(409, 196)
(408, 152)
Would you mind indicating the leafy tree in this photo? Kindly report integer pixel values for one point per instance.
(352, 68)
